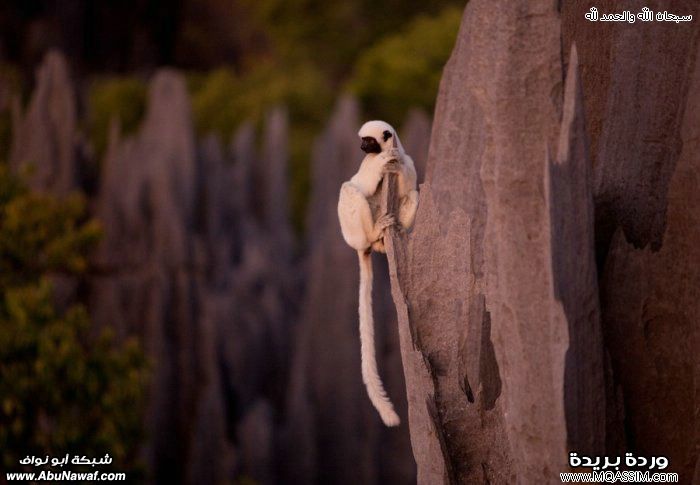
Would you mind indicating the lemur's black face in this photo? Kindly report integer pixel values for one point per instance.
(370, 145)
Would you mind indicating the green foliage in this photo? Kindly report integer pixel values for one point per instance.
(331, 34)
(39, 233)
(120, 98)
(222, 100)
(404, 69)
(64, 388)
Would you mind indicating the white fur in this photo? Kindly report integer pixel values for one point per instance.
(363, 233)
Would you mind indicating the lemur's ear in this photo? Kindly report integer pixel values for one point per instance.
(387, 135)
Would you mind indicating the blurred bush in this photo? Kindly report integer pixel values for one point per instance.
(332, 34)
(64, 386)
(114, 98)
(403, 70)
(222, 99)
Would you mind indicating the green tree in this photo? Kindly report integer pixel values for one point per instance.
(403, 70)
(332, 34)
(64, 387)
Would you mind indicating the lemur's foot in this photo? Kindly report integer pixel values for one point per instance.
(387, 220)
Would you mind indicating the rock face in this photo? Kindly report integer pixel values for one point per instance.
(334, 434)
(643, 111)
(518, 347)
(641, 73)
(416, 132)
(485, 245)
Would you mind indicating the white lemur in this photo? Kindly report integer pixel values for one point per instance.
(363, 229)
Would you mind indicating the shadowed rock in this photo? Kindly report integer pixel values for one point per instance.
(636, 78)
(641, 88)
(651, 304)
(570, 199)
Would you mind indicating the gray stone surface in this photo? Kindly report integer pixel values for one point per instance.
(640, 86)
(569, 189)
(416, 133)
(516, 347)
(45, 137)
(488, 283)
(636, 77)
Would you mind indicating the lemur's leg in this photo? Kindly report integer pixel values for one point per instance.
(356, 224)
(407, 209)
(378, 246)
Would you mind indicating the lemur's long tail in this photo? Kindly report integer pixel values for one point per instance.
(370, 376)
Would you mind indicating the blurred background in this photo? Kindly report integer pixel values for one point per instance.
(174, 290)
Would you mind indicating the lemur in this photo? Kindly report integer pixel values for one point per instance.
(363, 229)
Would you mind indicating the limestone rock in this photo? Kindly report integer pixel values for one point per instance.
(415, 136)
(640, 86)
(174, 269)
(570, 198)
(636, 77)
(487, 284)
(45, 136)
(273, 179)
(147, 207)
(511, 334)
